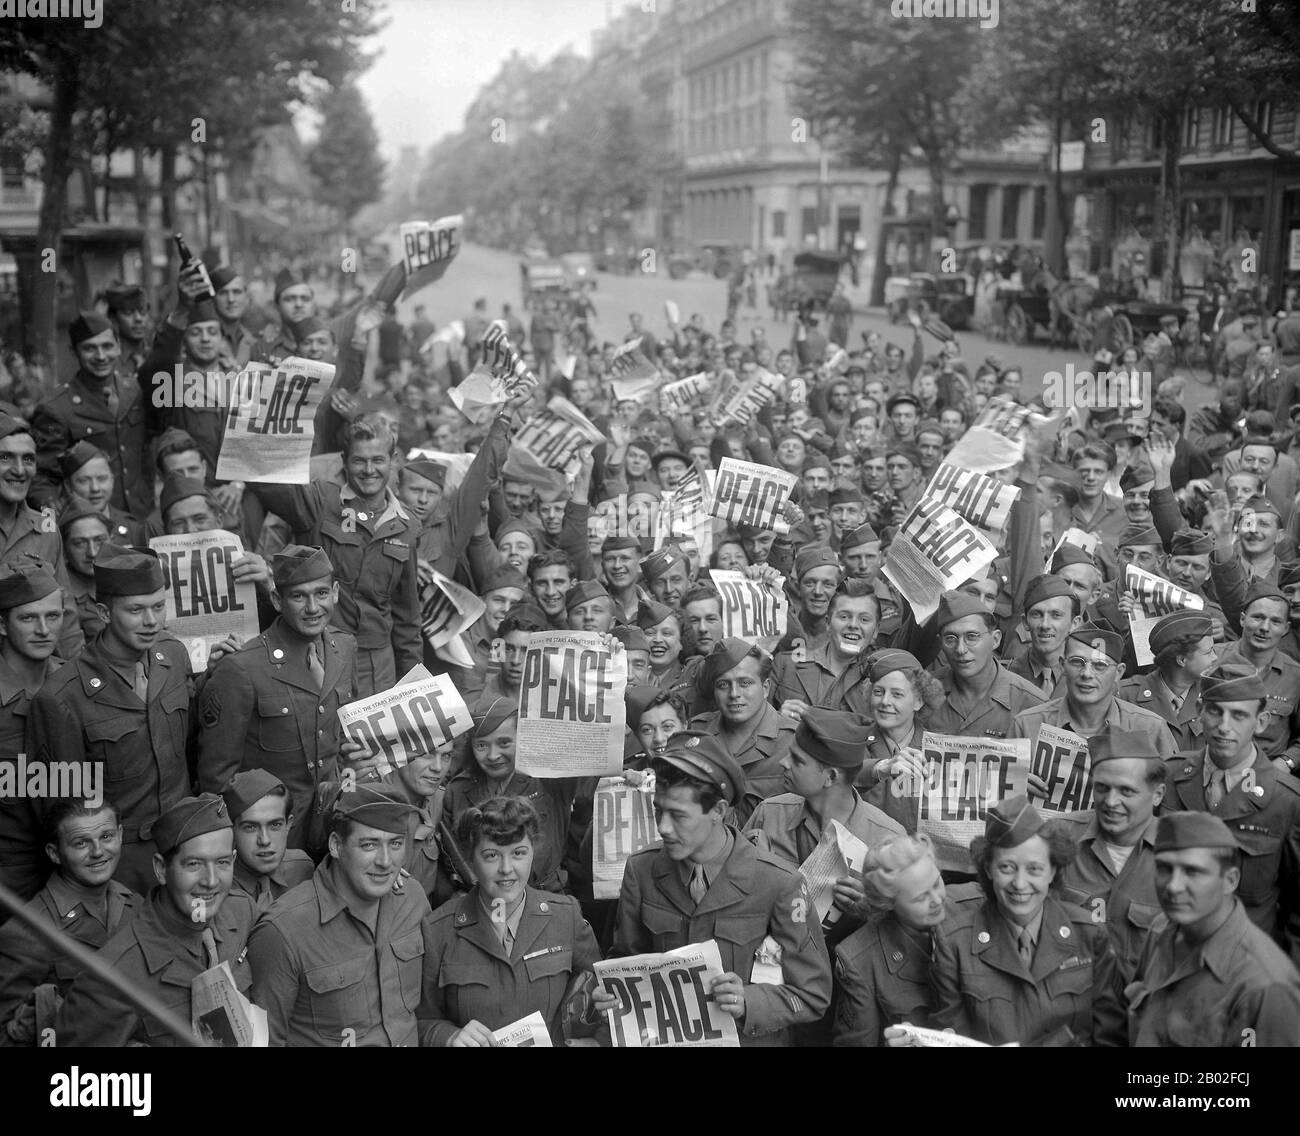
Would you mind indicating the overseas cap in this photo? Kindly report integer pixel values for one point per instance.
(24, 582)
(299, 563)
(614, 543)
(583, 591)
(1288, 574)
(1179, 625)
(178, 489)
(1232, 682)
(1100, 638)
(1071, 554)
(1046, 587)
(79, 455)
(1114, 745)
(958, 605)
(79, 510)
(222, 276)
(889, 660)
(846, 495)
(11, 424)
(285, 279)
(637, 699)
(87, 325)
(1261, 504)
(660, 561)
(1263, 590)
(1191, 542)
(249, 787)
(123, 571)
(704, 756)
(1140, 535)
(1011, 822)
(726, 655)
(808, 559)
(374, 809)
(863, 534)
(837, 738)
(632, 638)
(1175, 831)
(188, 818)
(489, 719)
(429, 470)
(651, 614)
(504, 577)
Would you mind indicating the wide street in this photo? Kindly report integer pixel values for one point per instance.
(494, 275)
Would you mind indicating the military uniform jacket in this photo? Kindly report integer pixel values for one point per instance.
(760, 759)
(991, 716)
(161, 952)
(324, 978)
(260, 709)
(78, 411)
(983, 991)
(296, 867)
(1281, 680)
(808, 679)
(1237, 989)
(1263, 811)
(88, 712)
(21, 838)
(26, 962)
(374, 566)
(1126, 901)
(205, 424)
(476, 981)
(755, 895)
(1121, 716)
(1150, 693)
(37, 534)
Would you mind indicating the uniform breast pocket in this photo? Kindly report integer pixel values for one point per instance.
(550, 970)
(665, 927)
(409, 952)
(990, 1005)
(1281, 707)
(1261, 851)
(175, 705)
(277, 725)
(392, 559)
(1074, 983)
(466, 989)
(343, 548)
(105, 740)
(739, 936)
(1143, 915)
(338, 998)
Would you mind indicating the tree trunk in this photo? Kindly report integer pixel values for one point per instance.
(881, 270)
(939, 235)
(66, 83)
(167, 204)
(1054, 223)
(1171, 202)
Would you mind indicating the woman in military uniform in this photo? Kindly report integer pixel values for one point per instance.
(1022, 966)
(504, 950)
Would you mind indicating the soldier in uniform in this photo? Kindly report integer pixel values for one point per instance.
(706, 881)
(1183, 645)
(189, 924)
(1113, 873)
(342, 958)
(982, 697)
(128, 308)
(370, 539)
(753, 732)
(421, 783)
(234, 308)
(88, 478)
(125, 703)
(24, 531)
(295, 301)
(805, 678)
(31, 613)
(1051, 613)
(1209, 977)
(1233, 779)
(84, 531)
(81, 899)
(261, 811)
(99, 407)
(273, 704)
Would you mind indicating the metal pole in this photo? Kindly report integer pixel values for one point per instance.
(91, 963)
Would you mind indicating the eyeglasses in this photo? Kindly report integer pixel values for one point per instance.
(1078, 665)
(970, 638)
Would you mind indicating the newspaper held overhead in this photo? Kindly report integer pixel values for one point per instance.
(964, 778)
(664, 999)
(428, 248)
(680, 396)
(571, 711)
(1061, 759)
(553, 436)
(739, 403)
(623, 824)
(751, 610)
(412, 718)
(1077, 537)
(632, 375)
(996, 439)
(271, 422)
(750, 494)
(934, 551)
(204, 603)
(529, 1032)
(222, 1016)
(978, 499)
(446, 610)
(838, 854)
(1155, 598)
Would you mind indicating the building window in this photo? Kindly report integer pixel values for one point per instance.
(808, 222)
(1010, 211)
(1121, 138)
(977, 226)
(1191, 127)
(11, 169)
(778, 222)
(1264, 115)
(1040, 213)
(749, 75)
(1155, 134)
(1224, 120)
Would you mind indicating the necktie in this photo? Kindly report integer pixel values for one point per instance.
(1216, 790)
(264, 896)
(507, 939)
(314, 664)
(1025, 947)
(209, 949)
(141, 683)
(110, 395)
(698, 885)
(1176, 700)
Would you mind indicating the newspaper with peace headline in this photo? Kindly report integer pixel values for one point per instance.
(1062, 761)
(222, 1016)
(632, 375)
(271, 421)
(664, 999)
(1077, 537)
(964, 778)
(552, 437)
(933, 552)
(622, 824)
(742, 400)
(428, 248)
(446, 610)
(412, 718)
(750, 494)
(1154, 597)
(204, 603)
(982, 501)
(678, 397)
(525, 1033)
(571, 711)
(838, 853)
(996, 439)
(752, 610)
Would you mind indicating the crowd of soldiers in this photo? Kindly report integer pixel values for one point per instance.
(438, 903)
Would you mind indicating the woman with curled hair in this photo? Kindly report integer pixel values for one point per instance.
(882, 970)
(1022, 966)
(503, 950)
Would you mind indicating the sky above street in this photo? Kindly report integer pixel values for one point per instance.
(434, 55)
